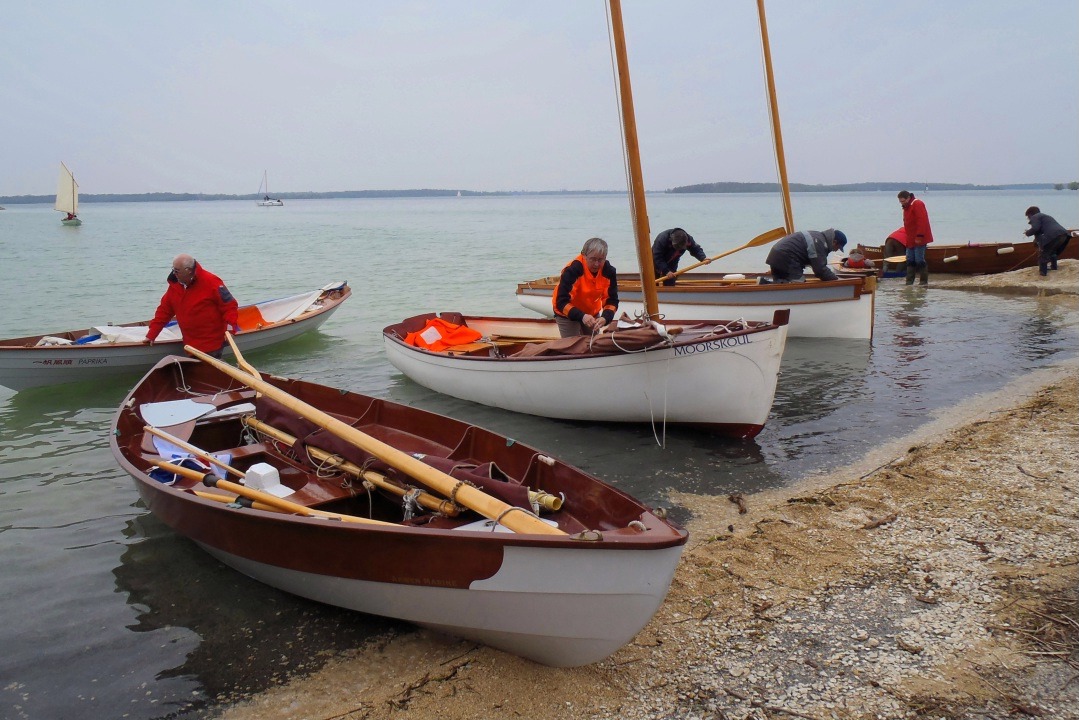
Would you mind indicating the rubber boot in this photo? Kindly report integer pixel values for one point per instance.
(910, 274)
(924, 275)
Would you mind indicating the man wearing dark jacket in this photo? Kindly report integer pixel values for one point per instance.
(1050, 237)
(790, 255)
(668, 249)
(202, 305)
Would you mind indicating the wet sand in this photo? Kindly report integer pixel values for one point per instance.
(938, 577)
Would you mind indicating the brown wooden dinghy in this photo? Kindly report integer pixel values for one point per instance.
(981, 258)
(369, 505)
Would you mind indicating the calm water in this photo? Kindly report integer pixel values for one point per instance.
(108, 614)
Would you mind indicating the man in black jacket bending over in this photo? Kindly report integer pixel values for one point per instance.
(790, 255)
(668, 249)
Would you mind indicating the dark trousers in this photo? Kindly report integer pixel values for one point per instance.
(570, 328)
(791, 274)
(1050, 252)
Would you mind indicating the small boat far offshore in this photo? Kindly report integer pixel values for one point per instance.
(67, 197)
(264, 190)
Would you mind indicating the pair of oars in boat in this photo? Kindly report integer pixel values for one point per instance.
(260, 500)
(546, 501)
(425, 499)
(514, 518)
(762, 239)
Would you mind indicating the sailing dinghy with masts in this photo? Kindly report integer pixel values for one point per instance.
(841, 308)
(718, 374)
(264, 191)
(67, 197)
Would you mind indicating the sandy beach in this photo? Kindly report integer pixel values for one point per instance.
(936, 578)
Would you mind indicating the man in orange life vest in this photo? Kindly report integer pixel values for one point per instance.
(202, 305)
(586, 297)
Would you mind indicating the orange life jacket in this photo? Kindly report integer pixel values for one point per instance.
(437, 335)
(588, 293)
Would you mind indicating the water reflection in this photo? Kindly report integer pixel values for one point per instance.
(225, 635)
(1037, 334)
(908, 340)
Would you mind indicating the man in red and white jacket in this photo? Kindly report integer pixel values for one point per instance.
(919, 234)
(202, 305)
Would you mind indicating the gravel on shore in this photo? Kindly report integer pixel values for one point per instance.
(937, 578)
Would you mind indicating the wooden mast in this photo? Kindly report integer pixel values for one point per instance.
(633, 152)
(788, 214)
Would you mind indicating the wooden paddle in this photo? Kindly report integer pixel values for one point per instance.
(514, 518)
(211, 480)
(895, 259)
(762, 239)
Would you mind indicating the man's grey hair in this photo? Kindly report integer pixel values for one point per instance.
(594, 245)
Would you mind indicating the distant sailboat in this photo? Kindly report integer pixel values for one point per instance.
(264, 190)
(67, 197)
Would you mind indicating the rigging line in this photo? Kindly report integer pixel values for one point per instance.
(621, 123)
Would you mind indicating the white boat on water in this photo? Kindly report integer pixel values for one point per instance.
(67, 197)
(107, 350)
(264, 190)
(842, 308)
(719, 374)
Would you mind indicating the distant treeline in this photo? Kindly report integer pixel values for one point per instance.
(741, 187)
(200, 197)
(720, 187)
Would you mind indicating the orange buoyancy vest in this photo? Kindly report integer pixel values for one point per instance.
(588, 294)
(437, 335)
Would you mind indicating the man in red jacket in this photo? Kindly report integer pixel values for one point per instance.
(202, 305)
(919, 234)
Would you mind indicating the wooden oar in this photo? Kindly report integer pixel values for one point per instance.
(202, 454)
(211, 480)
(424, 498)
(762, 239)
(239, 356)
(545, 500)
(895, 259)
(247, 502)
(514, 518)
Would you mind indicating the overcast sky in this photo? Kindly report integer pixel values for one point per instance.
(203, 95)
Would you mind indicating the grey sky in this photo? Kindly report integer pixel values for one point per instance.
(202, 96)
